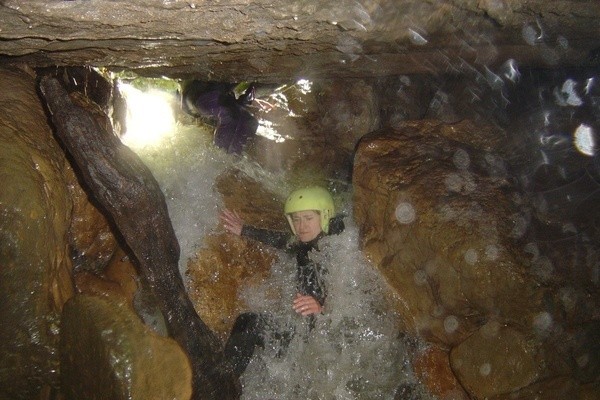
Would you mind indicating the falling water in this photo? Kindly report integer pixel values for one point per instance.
(186, 168)
(350, 351)
(353, 350)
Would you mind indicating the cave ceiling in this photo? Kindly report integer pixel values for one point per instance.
(271, 41)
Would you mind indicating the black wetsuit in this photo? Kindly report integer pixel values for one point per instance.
(248, 329)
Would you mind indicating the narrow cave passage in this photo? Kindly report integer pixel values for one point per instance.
(451, 207)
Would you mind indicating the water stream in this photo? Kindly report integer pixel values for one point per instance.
(354, 350)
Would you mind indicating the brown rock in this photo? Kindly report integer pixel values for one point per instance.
(348, 110)
(91, 238)
(432, 212)
(107, 353)
(591, 391)
(560, 388)
(91, 284)
(121, 270)
(35, 267)
(494, 360)
(256, 204)
(226, 263)
(432, 368)
(119, 279)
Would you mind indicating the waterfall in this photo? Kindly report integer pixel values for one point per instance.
(354, 350)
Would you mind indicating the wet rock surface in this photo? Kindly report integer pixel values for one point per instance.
(432, 366)
(275, 40)
(432, 213)
(444, 222)
(126, 189)
(508, 365)
(440, 214)
(35, 265)
(48, 225)
(108, 353)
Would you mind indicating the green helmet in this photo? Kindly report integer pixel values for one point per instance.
(311, 198)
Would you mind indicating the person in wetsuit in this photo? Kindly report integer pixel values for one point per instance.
(310, 213)
(235, 124)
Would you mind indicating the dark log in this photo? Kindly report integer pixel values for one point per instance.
(127, 190)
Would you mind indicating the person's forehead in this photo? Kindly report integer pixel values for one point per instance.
(304, 213)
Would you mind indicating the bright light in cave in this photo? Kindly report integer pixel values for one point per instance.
(304, 85)
(279, 99)
(150, 117)
(267, 129)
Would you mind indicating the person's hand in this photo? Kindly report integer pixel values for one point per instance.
(232, 222)
(306, 305)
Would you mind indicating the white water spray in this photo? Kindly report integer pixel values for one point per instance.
(352, 350)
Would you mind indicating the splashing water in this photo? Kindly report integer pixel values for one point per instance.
(186, 166)
(351, 352)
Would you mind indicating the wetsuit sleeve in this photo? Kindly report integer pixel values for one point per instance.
(310, 281)
(275, 239)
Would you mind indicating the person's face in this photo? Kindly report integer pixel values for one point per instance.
(307, 225)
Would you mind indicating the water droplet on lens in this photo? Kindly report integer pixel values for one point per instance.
(529, 35)
(430, 267)
(485, 369)
(451, 324)
(584, 140)
(461, 159)
(420, 277)
(491, 252)
(405, 213)
(562, 42)
(416, 38)
(454, 183)
(532, 248)
(471, 256)
(542, 322)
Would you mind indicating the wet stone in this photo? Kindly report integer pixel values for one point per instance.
(107, 352)
(504, 366)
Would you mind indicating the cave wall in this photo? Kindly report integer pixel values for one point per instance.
(57, 253)
(35, 260)
(273, 41)
(441, 220)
